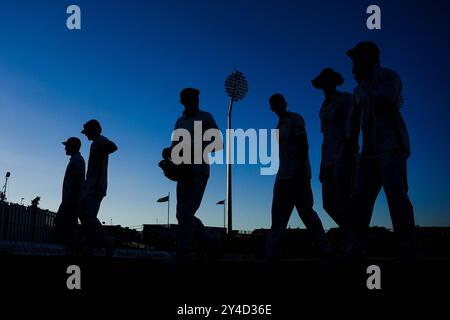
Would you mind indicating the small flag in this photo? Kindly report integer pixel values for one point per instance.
(221, 202)
(163, 199)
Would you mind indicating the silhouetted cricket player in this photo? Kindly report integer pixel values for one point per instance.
(66, 220)
(191, 187)
(95, 187)
(385, 145)
(339, 154)
(293, 182)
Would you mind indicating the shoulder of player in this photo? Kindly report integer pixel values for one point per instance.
(345, 99)
(345, 95)
(99, 143)
(102, 140)
(205, 115)
(297, 117)
(77, 161)
(386, 73)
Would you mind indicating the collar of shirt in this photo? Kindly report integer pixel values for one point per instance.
(96, 139)
(374, 73)
(327, 102)
(186, 115)
(332, 97)
(284, 118)
(77, 154)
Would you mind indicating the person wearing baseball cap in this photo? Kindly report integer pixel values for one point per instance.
(66, 220)
(92, 127)
(338, 154)
(385, 146)
(95, 187)
(365, 55)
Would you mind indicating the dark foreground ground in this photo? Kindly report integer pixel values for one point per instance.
(244, 282)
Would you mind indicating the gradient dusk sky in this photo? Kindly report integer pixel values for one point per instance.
(128, 63)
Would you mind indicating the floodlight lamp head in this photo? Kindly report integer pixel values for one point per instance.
(236, 86)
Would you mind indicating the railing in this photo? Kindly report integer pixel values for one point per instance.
(20, 223)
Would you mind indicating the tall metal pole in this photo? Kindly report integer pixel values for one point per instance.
(229, 194)
(236, 87)
(5, 187)
(224, 217)
(168, 211)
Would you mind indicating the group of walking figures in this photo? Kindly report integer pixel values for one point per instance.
(351, 178)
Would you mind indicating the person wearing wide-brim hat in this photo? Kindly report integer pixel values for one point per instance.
(327, 78)
(338, 154)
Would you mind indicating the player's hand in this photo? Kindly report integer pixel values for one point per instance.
(166, 153)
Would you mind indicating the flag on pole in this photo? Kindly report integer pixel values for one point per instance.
(221, 202)
(163, 199)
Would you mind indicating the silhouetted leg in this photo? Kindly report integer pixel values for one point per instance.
(72, 233)
(304, 203)
(89, 208)
(336, 190)
(367, 187)
(394, 175)
(60, 225)
(66, 223)
(189, 197)
(329, 193)
(282, 205)
(344, 182)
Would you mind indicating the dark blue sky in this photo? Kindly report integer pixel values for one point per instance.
(131, 58)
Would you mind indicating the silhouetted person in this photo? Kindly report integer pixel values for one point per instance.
(338, 153)
(293, 181)
(66, 220)
(191, 187)
(95, 187)
(385, 145)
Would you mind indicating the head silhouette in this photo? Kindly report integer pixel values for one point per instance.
(189, 98)
(92, 129)
(365, 55)
(328, 80)
(72, 146)
(278, 104)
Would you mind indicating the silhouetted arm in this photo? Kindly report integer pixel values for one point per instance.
(322, 169)
(353, 124)
(104, 147)
(166, 152)
(301, 140)
(76, 171)
(101, 148)
(385, 92)
(110, 147)
(218, 144)
(78, 181)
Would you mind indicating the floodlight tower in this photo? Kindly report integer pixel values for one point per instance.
(5, 187)
(236, 87)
